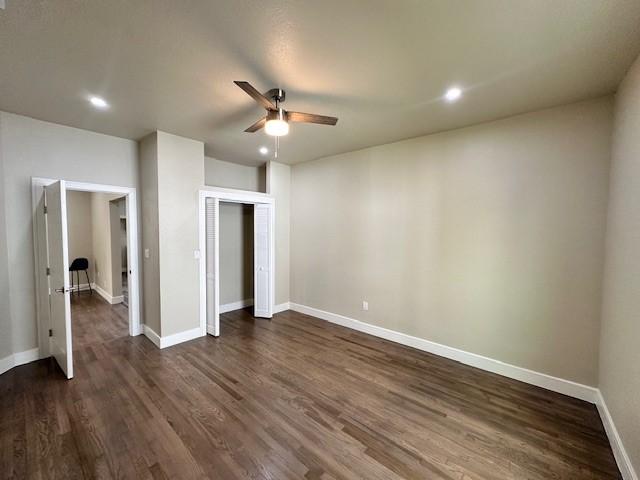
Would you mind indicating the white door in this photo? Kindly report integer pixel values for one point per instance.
(42, 275)
(263, 261)
(212, 228)
(61, 348)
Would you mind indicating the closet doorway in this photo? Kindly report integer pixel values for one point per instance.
(210, 254)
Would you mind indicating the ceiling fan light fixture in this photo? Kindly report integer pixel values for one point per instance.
(277, 125)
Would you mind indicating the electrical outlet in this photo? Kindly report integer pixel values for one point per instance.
(146, 253)
(365, 305)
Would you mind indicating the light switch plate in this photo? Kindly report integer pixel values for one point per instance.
(146, 253)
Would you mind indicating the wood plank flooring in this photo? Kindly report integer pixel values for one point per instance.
(94, 321)
(294, 397)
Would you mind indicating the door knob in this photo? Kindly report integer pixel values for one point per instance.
(62, 290)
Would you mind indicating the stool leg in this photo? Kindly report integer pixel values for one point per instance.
(71, 283)
(89, 282)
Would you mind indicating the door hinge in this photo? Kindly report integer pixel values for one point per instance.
(50, 333)
(48, 271)
(45, 209)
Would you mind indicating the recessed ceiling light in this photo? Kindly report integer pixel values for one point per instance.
(99, 102)
(264, 150)
(453, 94)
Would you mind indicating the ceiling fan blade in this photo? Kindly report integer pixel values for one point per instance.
(257, 126)
(311, 118)
(256, 95)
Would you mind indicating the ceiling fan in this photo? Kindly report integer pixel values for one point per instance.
(276, 121)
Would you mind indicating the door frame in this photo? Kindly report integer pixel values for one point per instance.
(231, 196)
(133, 244)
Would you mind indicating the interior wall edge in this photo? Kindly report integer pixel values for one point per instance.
(151, 334)
(171, 340)
(560, 385)
(619, 452)
(619, 359)
(282, 307)
(18, 358)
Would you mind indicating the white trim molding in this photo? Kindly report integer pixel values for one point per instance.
(230, 307)
(171, 340)
(151, 335)
(560, 385)
(234, 196)
(104, 294)
(180, 337)
(134, 307)
(281, 307)
(19, 358)
(84, 287)
(619, 452)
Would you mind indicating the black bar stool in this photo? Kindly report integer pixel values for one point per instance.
(76, 266)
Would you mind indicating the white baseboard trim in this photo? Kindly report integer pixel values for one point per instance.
(619, 452)
(230, 307)
(282, 307)
(151, 335)
(17, 359)
(566, 387)
(104, 294)
(180, 337)
(170, 340)
(83, 287)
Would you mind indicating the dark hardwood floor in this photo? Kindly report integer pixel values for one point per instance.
(295, 397)
(94, 321)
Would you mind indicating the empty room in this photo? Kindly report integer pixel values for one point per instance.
(356, 239)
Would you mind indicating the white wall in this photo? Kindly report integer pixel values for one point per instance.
(620, 343)
(105, 218)
(236, 252)
(279, 186)
(150, 253)
(79, 227)
(35, 148)
(6, 330)
(122, 207)
(230, 175)
(93, 221)
(180, 169)
(172, 173)
(488, 239)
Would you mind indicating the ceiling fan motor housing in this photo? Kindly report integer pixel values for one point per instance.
(279, 114)
(278, 95)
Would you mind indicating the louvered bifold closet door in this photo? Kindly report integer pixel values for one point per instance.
(263, 262)
(212, 255)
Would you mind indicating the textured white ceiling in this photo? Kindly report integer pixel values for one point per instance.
(381, 66)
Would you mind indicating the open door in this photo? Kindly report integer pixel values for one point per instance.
(212, 207)
(263, 261)
(61, 347)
